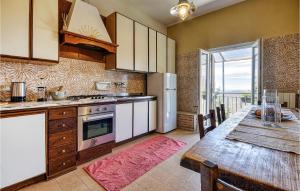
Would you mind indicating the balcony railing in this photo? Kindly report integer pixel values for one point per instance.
(234, 102)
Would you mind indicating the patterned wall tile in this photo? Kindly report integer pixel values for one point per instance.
(282, 63)
(187, 81)
(78, 77)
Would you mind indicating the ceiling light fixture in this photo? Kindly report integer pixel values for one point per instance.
(183, 9)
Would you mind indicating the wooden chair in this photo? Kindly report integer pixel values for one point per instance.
(205, 118)
(221, 114)
(210, 180)
(284, 104)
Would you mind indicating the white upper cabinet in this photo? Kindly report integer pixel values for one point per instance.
(14, 27)
(152, 50)
(141, 47)
(124, 35)
(161, 53)
(171, 56)
(140, 122)
(45, 29)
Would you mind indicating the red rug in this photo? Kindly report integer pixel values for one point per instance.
(119, 170)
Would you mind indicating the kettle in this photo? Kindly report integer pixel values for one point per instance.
(18, 92)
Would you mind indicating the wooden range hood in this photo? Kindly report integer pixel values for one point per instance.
(77, 46)
(87, 42)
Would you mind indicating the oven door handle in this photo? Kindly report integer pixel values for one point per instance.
(94, 118)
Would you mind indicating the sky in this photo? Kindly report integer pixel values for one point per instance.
(237, 76)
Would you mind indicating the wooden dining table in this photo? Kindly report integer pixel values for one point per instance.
(247, 166)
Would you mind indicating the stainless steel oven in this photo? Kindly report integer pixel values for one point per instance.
(96, 125)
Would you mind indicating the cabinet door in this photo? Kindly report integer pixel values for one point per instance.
(141, 47)
(171, 56)
(123, 122)
(152, 50)
(45, 29)
(140, 119)
(23, 148)
(152, 115)
(14, 28)
(161, 53)
(125, 42)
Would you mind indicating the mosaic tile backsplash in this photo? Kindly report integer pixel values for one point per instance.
(280, 62)
(76, 76)
(187, 80)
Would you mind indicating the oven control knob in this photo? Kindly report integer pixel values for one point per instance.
(104, 108)
(90, 111)
(98, 109)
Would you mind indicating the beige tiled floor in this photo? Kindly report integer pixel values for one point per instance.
(167, 176)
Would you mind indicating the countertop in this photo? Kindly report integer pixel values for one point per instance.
(8, 106)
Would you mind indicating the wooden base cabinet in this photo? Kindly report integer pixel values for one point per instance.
(140, 119)
(62, 140)
(124, 116)
(152, 115)
(135, 119)
(23, 148)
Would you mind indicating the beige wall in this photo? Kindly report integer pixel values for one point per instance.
(106, 7)
(242, 22)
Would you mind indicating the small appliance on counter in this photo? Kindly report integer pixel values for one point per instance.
(18, 91)
(42, 94)
(58, 95)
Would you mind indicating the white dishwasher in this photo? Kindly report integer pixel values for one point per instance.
(22, 148)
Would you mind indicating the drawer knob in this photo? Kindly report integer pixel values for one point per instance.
(64, 138)
(64, 164)
(64, 113)
(63, 125)
(63, 151)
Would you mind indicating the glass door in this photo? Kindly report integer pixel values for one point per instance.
(256, 77)
(204, 81)
(236, 76)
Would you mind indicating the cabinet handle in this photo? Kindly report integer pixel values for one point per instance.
(63, 151)
(64, 138)
(64, 113)
(64, 164)
(63, 125)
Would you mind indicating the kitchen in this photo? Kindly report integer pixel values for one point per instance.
(98, 95)
(75, 117)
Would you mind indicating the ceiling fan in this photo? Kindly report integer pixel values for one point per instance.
(183, 9)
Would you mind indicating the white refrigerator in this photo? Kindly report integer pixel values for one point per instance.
(164, 87)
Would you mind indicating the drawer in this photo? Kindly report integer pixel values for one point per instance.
(62, 151)
(61, 164)
(62, 113)
(62, 138)
(60, 125)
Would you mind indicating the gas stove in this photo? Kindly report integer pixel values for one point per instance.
(80, 97)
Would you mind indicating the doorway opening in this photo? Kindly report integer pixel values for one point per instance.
(231, 76)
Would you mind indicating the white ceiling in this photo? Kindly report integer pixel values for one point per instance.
(160, 9)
